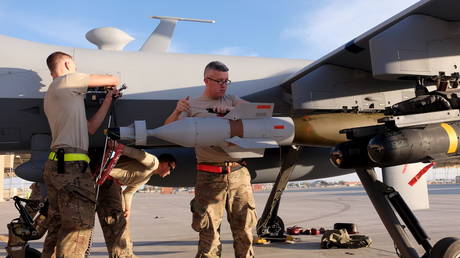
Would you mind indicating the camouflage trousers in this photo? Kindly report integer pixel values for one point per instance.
(213, 194)
(71, 211)
(113, 222)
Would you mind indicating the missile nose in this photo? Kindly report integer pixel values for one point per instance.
(336, 157)
(350, 155)
(180, 132)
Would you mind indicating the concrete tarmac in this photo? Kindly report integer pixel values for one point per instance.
(160, 224)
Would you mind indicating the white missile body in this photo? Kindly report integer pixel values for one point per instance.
(257, 133)
(244, 132)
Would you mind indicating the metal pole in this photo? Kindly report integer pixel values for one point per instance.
(375, 190)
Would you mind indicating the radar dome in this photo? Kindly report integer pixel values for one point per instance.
(109, 38)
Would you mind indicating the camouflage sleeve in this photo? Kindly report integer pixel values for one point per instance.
(146, 159)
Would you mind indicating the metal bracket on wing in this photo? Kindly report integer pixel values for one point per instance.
(424, 118)
(160, 39)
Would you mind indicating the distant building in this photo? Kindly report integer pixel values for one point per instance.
(356, 183)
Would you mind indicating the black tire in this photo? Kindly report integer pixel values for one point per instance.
(33, 253)
(448, 247)
(275, 228)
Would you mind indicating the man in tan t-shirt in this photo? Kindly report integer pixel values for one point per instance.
(133, 170)
(222, 181)
(71, 188)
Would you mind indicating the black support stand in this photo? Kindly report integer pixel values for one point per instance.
(384, 199)
(269, 224)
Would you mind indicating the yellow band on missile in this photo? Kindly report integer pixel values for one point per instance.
(453, 140)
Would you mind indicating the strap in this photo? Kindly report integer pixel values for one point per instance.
(60, 153)
(209, 168)
(339, 238)
(217, 169)
(70, 157)
(110, 163)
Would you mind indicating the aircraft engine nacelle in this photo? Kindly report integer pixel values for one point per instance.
(419, 45)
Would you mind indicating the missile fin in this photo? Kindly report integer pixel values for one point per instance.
(240, 153)
(253, 143)
(251, 111)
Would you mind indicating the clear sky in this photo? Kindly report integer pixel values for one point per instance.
(274, 28)
(305, 29)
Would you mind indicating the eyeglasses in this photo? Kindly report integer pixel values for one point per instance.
(221, 82)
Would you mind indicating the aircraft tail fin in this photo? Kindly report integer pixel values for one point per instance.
(160, 39)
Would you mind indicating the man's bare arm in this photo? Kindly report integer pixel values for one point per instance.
(223, 109)
(96, 120)
(100, 80)
(182, 106)
(128, 195)
(240, 101)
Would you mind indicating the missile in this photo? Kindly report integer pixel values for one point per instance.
(420, 144)
(386, 148)
(269, 132)
(245, 131)
(248, 129)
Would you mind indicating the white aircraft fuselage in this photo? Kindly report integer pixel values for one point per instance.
(155, 82)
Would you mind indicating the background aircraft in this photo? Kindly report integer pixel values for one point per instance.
(370, 73)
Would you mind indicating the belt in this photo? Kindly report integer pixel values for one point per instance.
(70, 157)
(70, 150)
(230, 167)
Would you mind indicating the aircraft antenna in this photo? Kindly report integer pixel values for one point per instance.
(181, 19)
(160, 39)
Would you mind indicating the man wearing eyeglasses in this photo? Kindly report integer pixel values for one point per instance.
(222, 182)
(133, 170)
